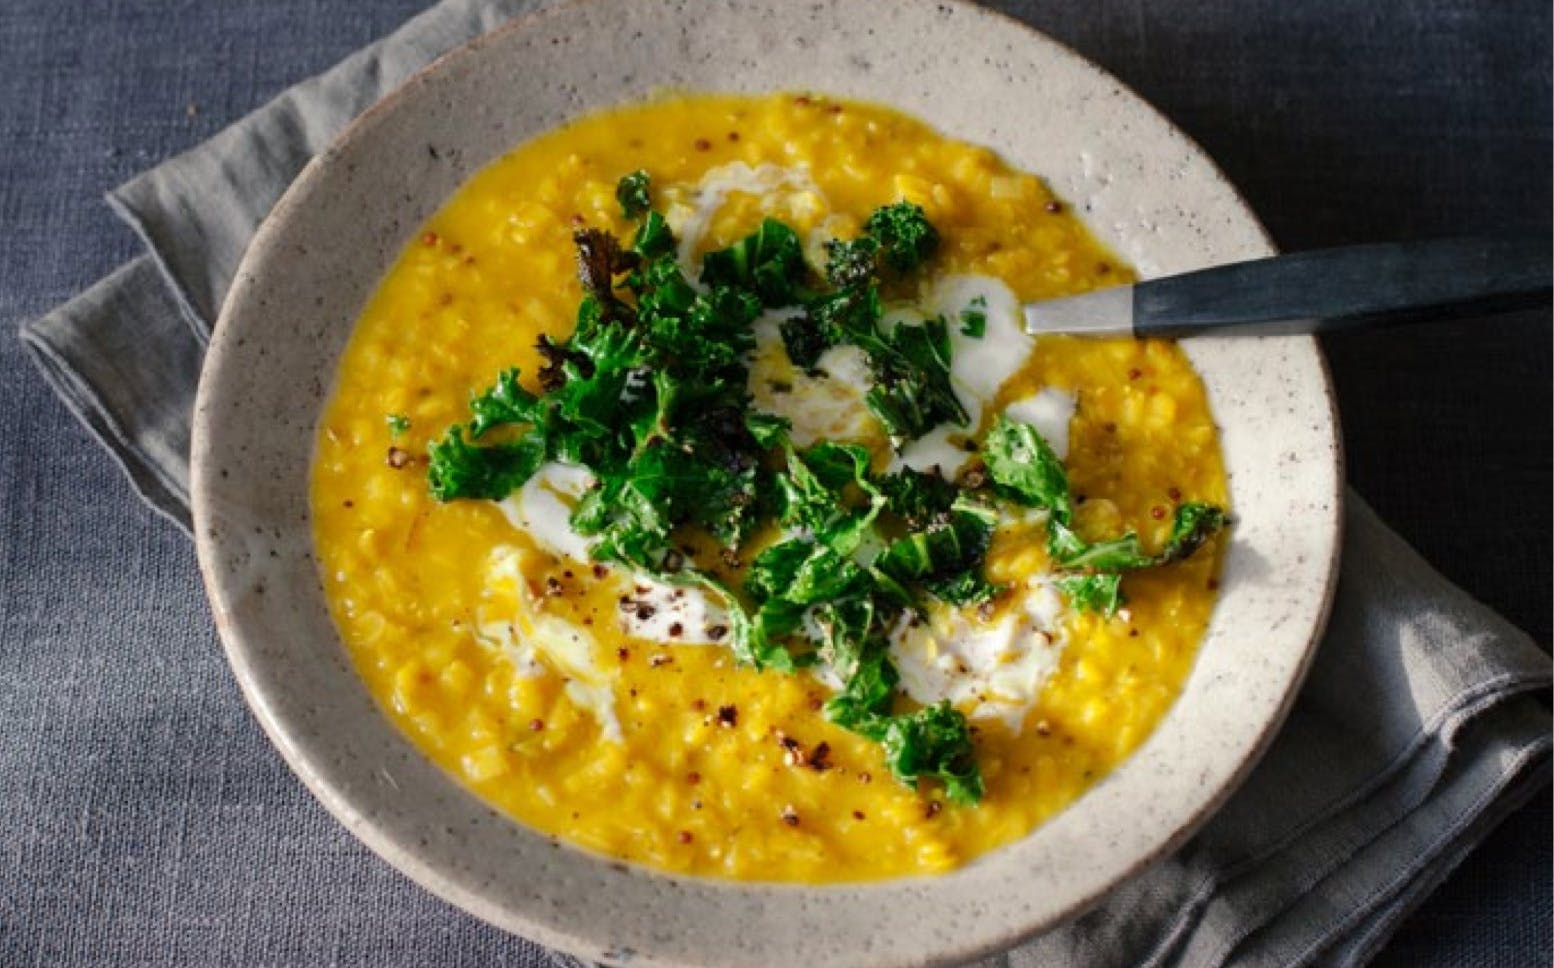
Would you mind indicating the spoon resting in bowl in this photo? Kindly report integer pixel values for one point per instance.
(1322, 291)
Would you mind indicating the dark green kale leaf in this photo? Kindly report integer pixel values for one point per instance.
(803, 572)
(912, 392)
(963, 588)
(863, 705)
(845, 316)
(778, 618)
(947, 558)
(769, 262)
(850, 264)
(627, 523)
(749, 638)
(768, 429)
(709, 335)
(845, 628)
(506, 402)
(932, 743)
(1115, 554)
(459, 469)
(918, 497)
(900, 234)
(724, 314)
(1193, 525)
(687, 485)
(596, 366)
(688, 457)
(935, 743)
(662, 290)
(906, 236)
(804, 339)
(838, 466)
(802, 585)
(1093, 593)
(813, 495)
(632, 192)
(732, 501)
(752, 645)
(653, 238)
(1024, 467)
(705, 471)
(973, 319)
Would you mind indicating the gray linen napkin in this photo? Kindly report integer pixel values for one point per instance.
(1416, 733)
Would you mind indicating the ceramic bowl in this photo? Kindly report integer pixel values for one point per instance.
(1144, 189)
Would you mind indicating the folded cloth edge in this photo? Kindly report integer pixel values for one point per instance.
(1495, 763)
(1530, 772)
(1371, 935)
(60, 349)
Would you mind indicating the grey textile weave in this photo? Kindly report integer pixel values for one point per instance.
(1414, 735)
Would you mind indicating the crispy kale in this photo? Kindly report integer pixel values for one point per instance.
(973, 319)
(907, 239)
(946, 558)
(934, 743)
(850, 264)
(653, 238)
(1193, 524)
(912, 393)
(649, 394)
(632, 192)
(1100, 592)
(768, 262)
(918, 497)
(865, 701)
(507, 402)
(459, 469)
(1024, 468)
(842, 583)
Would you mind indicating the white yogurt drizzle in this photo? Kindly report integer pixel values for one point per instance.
(537, 642)
(788, 191)
(993, 670)
(658, 612)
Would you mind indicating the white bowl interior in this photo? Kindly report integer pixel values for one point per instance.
(1143, 188)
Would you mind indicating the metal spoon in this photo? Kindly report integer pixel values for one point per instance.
(1324, 291)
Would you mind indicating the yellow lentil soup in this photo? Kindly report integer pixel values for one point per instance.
(670, 753)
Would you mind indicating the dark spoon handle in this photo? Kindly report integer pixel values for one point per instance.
(1330, 290)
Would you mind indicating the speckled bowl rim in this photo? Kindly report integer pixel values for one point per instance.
(251, 540)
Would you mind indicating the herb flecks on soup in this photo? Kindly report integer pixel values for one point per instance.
(692, 491)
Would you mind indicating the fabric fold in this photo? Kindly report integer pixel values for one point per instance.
(124, 359)
(1416, 732)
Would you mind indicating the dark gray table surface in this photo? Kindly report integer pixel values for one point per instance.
(1340, 121)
